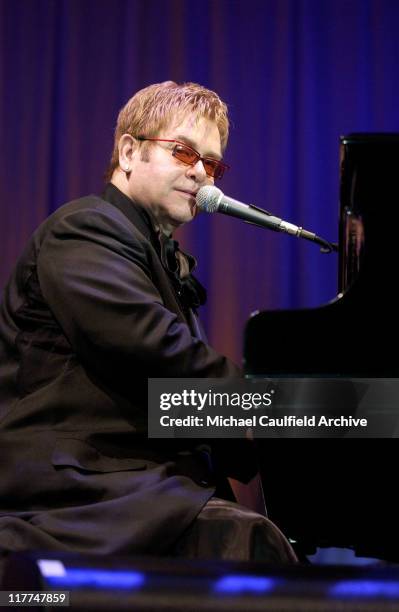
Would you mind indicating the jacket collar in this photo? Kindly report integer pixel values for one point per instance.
(178, 264)
(135, 213)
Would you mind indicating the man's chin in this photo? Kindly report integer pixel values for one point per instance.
(187, 214)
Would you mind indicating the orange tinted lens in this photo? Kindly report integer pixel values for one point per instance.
(213, 168)
(188, 156)
(185, 154)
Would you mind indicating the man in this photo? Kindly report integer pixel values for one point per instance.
(100, 300)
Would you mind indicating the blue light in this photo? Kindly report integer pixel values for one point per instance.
(97, 578)
(366, 588)
(238, 583)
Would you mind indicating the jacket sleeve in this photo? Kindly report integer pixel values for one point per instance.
(96, 277)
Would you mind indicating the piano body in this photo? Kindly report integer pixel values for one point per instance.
(330, 492)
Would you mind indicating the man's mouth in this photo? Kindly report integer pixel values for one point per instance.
(188, 192)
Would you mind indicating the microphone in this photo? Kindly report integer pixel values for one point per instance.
(211, 199)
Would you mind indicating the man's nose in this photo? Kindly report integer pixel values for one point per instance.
(197, 171)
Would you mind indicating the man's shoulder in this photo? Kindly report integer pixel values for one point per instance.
(93, 211)
(91, 204)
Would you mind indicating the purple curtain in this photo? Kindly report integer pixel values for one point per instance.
(295, 73)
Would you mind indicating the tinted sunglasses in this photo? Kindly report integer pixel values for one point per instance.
(188, 155)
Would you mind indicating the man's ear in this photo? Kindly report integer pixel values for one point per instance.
(127, 147)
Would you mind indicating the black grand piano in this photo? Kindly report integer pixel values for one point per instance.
(341, 492)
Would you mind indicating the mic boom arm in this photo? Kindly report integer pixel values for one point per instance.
(212, 199)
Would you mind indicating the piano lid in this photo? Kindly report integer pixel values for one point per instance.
(355, 334)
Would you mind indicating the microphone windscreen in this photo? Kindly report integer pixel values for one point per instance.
(208, 198)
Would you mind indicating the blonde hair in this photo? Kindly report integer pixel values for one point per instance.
(153, 108)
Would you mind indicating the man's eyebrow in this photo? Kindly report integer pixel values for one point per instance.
(193, 145)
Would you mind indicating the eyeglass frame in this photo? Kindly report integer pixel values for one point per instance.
(199, 157)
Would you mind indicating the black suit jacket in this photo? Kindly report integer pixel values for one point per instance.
(89, 314)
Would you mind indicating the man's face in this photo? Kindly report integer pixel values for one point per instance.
(165, 186)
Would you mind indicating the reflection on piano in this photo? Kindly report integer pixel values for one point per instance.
(328, 492)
